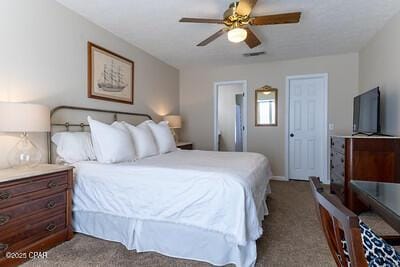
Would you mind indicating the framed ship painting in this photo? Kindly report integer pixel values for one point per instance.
(110, 76)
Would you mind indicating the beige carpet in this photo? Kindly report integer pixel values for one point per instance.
(292, 237)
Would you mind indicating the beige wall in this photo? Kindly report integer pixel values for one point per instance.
(380, 66)
(196, 99)
(44, 60)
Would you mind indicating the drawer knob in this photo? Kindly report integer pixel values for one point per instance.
(4, 219)
(342, 160)
(51, 227)
(3, 247)
(343, 146)
(51, 204)
(51, 184)
(4, 195)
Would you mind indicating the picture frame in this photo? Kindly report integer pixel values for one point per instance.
(110, 76)
(266, 106)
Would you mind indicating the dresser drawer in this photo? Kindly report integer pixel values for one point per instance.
(31, 232)
(337, 163)
(15, 214)
(22, 190)
(338, 144)
(337, 180)
(337, 186)
(35, 210)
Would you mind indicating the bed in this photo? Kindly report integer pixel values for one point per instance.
(199, 205)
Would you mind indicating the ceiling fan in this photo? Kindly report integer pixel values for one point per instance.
(237, 20)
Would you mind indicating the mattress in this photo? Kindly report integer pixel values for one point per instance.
(222, 193)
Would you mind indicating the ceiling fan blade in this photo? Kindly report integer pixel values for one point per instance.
(252, 40)
(245, 7)
(212, 37)
(197, 20)
(276, 19)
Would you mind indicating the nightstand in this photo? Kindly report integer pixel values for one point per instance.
(35, 211)
(185, 145)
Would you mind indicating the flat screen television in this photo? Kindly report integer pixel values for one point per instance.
(366, 116)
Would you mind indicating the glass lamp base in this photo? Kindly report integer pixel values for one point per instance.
(176, 138)
(25, 154)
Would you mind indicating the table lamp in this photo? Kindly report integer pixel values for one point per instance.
(24, 118)
(174, 122)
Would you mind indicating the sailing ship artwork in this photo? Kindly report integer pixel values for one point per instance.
(110, 75)
(112, 79)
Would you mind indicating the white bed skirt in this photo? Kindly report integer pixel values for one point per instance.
(180, 241)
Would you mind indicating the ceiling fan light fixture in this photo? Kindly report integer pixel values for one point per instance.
(237, 35)
(238, 21)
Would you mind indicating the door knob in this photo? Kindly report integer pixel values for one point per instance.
(291, 135)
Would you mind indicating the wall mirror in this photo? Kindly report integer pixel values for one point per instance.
(266, 106)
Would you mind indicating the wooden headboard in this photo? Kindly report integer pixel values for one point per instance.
(74, 119)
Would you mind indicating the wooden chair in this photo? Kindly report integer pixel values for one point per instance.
(338, 223)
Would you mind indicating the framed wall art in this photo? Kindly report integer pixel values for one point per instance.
(110, 76)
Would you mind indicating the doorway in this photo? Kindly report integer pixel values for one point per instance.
(307, 131)
(230, 116)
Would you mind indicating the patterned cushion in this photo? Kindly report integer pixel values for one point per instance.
(377, 251)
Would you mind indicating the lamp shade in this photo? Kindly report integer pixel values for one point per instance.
(21, 117)
(237, 35)
(174, 121)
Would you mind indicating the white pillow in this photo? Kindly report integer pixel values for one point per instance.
(111, 143)
(145, 145)
(119, 125)
(74, 146)
(164, 139)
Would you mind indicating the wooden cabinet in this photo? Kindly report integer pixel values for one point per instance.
(362, 158)
(35, 211)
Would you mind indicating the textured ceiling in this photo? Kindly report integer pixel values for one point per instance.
(326, 27)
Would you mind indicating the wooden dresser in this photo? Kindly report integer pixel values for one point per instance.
(35, 211)
(362, 158)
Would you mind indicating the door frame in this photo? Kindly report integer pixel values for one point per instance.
(325, 145)
(215, 130)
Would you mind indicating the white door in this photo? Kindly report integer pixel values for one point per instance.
(307, 133)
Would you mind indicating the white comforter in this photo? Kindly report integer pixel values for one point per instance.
(216, 191)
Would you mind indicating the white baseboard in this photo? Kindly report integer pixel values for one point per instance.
(280, 178)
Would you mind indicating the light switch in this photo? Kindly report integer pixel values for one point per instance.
(331, 126)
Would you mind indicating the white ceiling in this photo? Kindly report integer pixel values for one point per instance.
(326, 27)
